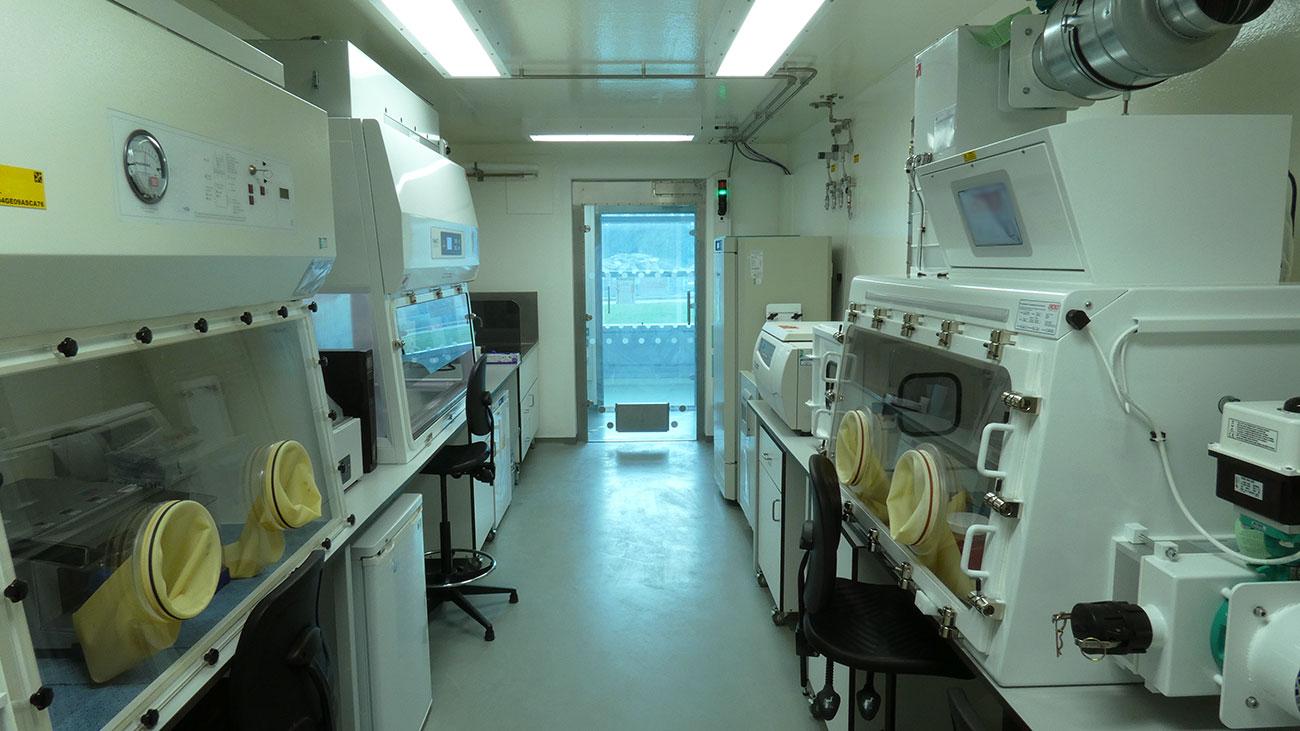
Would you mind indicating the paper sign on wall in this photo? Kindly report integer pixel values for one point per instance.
(756, 266)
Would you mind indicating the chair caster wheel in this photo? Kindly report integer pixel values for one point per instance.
(868, 702)
(825, 705)
(514, 597)
(489, 636)
(778, 619)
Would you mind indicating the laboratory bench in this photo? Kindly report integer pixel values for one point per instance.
(476, 513)
(778, 462)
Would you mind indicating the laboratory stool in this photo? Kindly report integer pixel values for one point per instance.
(875, 628)
(450, 573)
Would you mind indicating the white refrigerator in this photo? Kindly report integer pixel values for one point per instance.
(749, 273)
(395, 683)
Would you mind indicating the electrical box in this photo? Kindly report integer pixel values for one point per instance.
(1258, 455)
(961, 99)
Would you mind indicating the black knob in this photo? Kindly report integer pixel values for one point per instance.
(1292, 405)
(352, 519)
(67, 347)
(42, 698)
(312, 306)
(16, 591)
(144, 335)
(246, 318)
(1077, 319)
(212, 656)
(283, 311)
(1111, 628)
(325, 544)
(333, 414)
(201, 324)
(150, 718)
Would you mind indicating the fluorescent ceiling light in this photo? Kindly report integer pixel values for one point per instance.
(440, 28)
(769, 29)
(612, 138)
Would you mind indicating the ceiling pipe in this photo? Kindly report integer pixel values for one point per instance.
(797, 78)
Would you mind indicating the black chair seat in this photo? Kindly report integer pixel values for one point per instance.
(457, 459)
(877, 627)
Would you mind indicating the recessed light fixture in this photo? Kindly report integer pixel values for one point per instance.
(611, 138)
(769, 29)
(440, 30)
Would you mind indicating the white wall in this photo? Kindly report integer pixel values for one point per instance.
(526, 232)
(1259, 74)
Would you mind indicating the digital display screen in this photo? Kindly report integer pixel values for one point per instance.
(990, 215)
(452, 244)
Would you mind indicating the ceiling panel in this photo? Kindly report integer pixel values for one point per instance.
(852, 43)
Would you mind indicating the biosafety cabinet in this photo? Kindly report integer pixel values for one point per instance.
(1007, 428)
(408, 243)
(163, 429)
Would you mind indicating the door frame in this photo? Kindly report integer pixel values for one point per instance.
(696, 201)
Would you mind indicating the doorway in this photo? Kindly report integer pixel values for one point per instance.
(643, 341)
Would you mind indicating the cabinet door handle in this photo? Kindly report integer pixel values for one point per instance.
(776, 518)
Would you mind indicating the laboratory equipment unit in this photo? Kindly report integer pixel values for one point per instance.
(783, 368)
(1026, 437)
(391, 619)
(166, 455)
(408, 244)
(750, 273)
(827, 353)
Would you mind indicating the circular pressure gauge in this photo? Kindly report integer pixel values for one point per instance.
(146, 166)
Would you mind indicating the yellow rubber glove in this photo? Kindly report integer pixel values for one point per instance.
(170, 576)
(285, 497)
(918, 504)
(857, 461)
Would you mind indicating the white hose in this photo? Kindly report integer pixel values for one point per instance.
(1120, 385)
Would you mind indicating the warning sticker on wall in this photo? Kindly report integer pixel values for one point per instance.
(756, 266)
(22, 187)
(1038, 317)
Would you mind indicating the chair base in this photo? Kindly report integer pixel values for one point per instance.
(467, 566)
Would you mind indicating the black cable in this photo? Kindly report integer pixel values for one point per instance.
(749, 152)
(1291, 176)
(732, 161)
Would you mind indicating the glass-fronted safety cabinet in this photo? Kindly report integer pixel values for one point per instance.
(911, 436)
(150, 496)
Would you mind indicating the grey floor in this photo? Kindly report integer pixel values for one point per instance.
(638, 609)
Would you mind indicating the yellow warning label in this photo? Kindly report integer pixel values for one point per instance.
(969, 156)
(857, 158)
(22, 187)
(834, 167)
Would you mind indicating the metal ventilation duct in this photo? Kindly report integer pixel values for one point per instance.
(1096, 49)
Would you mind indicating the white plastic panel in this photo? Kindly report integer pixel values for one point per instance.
(79, 262)
(1035, 201)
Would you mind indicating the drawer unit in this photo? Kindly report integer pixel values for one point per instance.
(770, 457)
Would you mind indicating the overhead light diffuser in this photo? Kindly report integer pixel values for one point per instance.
(611, 138)
(769, 29)
(443, 33)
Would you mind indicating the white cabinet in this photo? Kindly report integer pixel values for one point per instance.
(504, 488)
(747, 464)
(779, 513)
(529, 418)
(767, 535)
(529, 410)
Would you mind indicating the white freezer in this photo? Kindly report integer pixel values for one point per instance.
(751, 272)
(395, 678)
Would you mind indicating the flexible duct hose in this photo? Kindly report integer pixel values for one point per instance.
(1096, 49)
